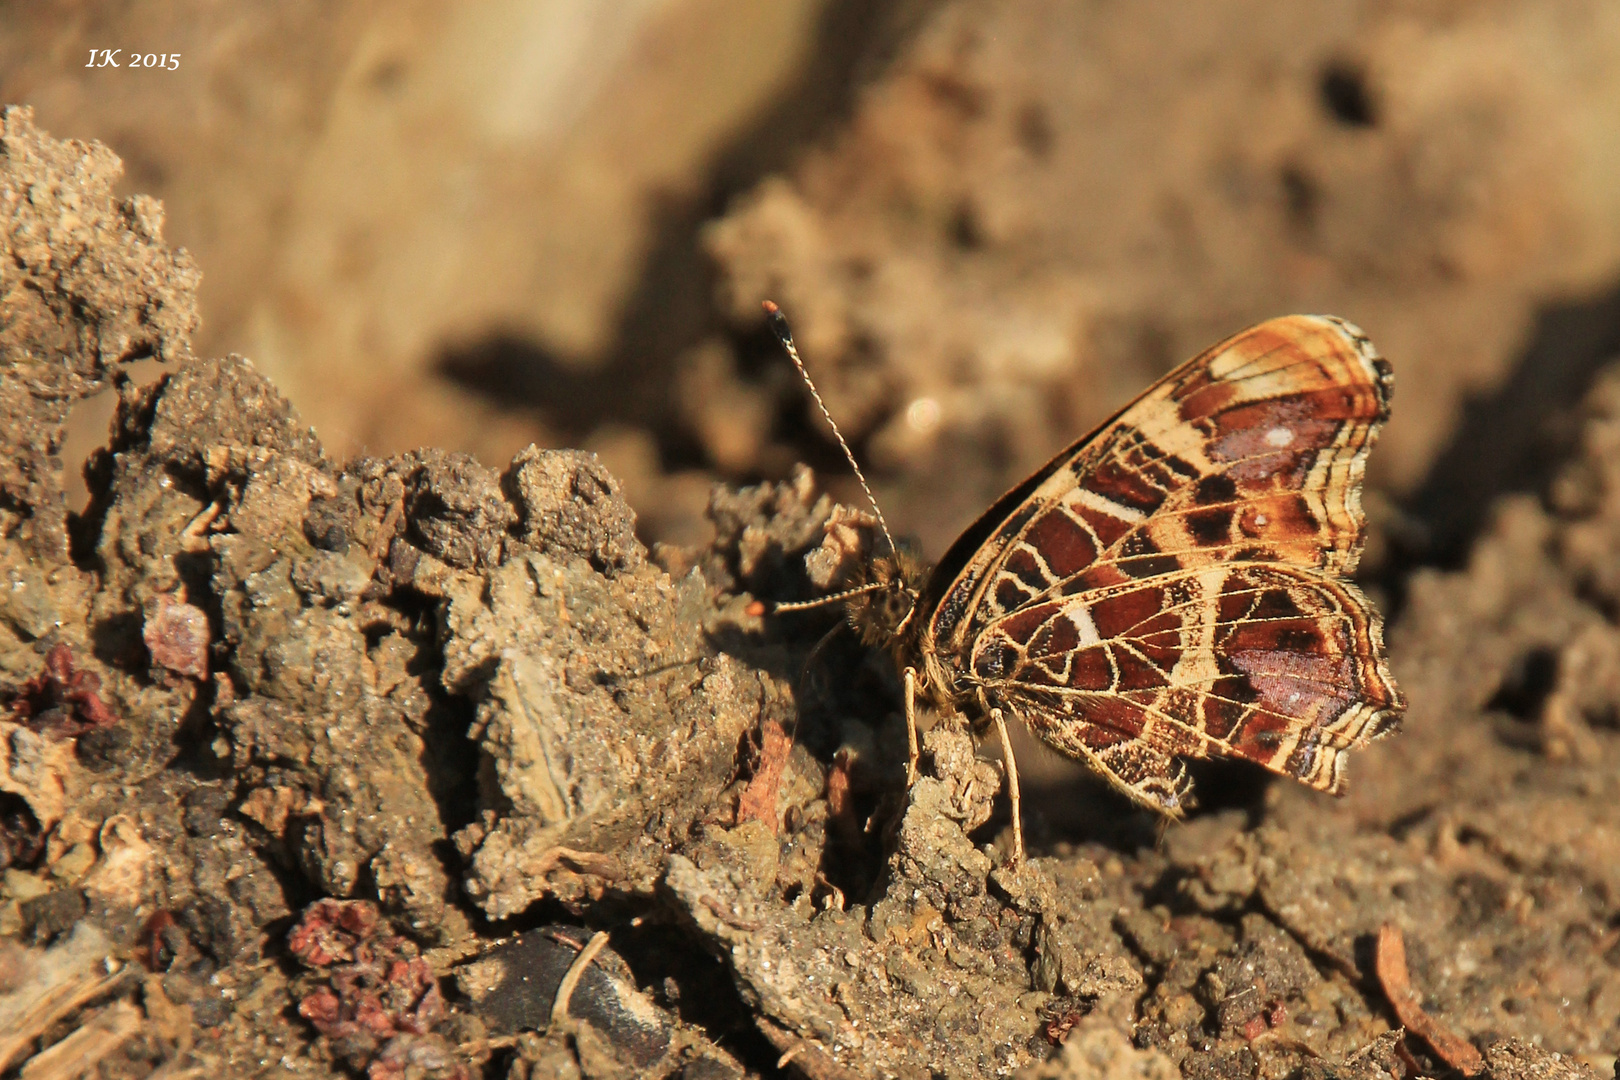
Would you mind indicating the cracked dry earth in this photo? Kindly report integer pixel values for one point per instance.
(411, 767)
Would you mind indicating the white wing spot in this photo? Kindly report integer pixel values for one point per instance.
(1080, 615)
(1092, 501)
(1259, 519)
(1279, 437)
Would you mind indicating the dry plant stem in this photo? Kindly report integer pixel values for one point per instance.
(173, 1070)
(1390, 962)
(56, 990)
(80, 1052)
(911, 726)
(1012, 788)
(806, 1057)
(1365, 1050)
(576, 971)
(589, 862)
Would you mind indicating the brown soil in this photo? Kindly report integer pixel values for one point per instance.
(326, 765)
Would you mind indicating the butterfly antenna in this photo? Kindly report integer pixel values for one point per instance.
(779, 326)
(834, 598)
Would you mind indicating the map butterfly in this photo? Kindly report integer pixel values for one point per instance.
(1171, 586)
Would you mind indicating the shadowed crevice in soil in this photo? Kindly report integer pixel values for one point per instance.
(1514, 438)
(662, 956)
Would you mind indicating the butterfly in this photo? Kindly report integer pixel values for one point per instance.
(1171, 586)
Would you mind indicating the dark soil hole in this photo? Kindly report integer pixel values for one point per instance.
(1528, 682)
(22, 841)
(1346, 96)
(450, 757)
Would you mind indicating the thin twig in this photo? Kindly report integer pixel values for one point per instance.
(1390, 962)
(576, 971)
(193, 538)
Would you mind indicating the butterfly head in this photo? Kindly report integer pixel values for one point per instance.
(884, 613)
(882, 608)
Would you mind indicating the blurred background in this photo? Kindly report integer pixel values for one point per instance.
(490, 222)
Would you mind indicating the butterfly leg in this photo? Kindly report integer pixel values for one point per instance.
(1012, 787)
(911, 726)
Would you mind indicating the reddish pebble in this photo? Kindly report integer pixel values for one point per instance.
(177, 636)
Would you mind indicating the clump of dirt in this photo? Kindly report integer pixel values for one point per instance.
(259, 681)
(606, 724)
(86, 285)
(336, 764)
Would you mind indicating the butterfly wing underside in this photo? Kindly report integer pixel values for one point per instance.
(1172, 585)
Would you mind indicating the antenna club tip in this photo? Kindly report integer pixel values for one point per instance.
(779, 324)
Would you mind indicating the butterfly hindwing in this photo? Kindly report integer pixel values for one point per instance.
(1276, 664)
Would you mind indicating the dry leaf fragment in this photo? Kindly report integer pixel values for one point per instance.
(758, 800)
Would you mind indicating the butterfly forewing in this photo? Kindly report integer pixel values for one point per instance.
(1170, 585)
